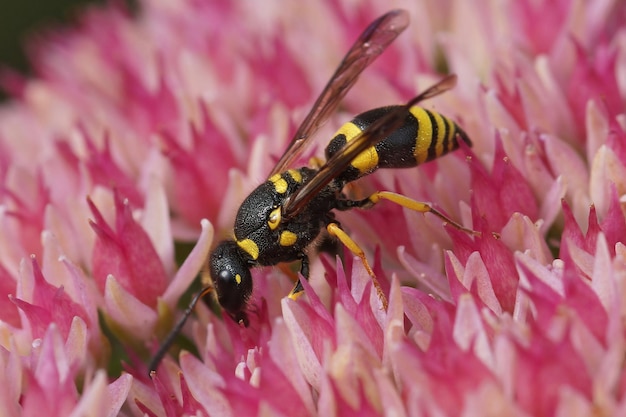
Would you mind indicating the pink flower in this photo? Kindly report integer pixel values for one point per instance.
(126, 157)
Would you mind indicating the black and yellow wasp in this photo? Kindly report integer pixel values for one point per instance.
(286, 215)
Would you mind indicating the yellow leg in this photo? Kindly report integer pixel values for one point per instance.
(298, 289)
(316, 162)
(335, 231)
(295, 293)
(411, 204)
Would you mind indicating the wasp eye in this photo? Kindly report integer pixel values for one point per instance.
(228, 282)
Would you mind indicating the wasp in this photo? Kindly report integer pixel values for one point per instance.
(284, 216)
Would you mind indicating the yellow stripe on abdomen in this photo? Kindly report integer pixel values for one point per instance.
(367, 160)
(441, 134)
(424, 134)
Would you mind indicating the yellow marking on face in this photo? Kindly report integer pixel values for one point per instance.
(249, 247)
(274, 219)
(424, 134)
(238, 279)
(287, 238)
(367, 160)
(295, 175)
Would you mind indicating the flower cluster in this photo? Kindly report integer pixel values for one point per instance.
(123, 160)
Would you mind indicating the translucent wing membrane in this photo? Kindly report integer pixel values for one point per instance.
(372, 42)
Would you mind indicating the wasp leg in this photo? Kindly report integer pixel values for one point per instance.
(407, 202)
(316, 162)
(335, 231)
(304, 271)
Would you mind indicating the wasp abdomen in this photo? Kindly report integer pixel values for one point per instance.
(424, 136)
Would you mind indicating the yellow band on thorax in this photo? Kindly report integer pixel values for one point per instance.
(287, 238)
(249, 247)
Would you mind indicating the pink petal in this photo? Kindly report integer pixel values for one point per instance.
(128, 254)
(50, 305)
(8, 311)
(129, 313)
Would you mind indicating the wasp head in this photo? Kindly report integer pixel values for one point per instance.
(232, 279)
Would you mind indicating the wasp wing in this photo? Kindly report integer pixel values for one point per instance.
(372, 42)
(373, 134)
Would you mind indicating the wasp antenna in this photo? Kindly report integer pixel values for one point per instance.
(169, 340)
